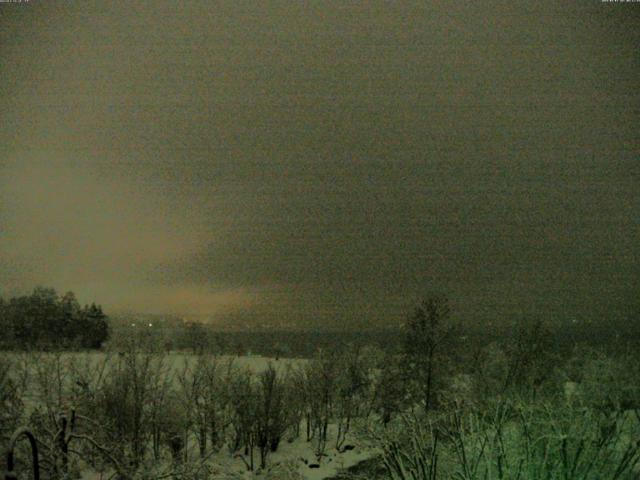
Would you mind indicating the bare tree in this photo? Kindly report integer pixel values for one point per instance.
(429, 331)
(271, 413)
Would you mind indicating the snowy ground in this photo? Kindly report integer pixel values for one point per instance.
(294, 459)
(300, 455)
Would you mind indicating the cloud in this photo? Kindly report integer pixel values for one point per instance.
(329, 163)
(70, 226)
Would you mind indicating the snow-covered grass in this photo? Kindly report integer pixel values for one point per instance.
(515, 441)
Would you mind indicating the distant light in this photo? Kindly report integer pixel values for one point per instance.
(151, 324)
(133, 324)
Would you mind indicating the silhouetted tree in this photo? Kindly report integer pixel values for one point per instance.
(429, 330)
(43, 319)
(96, 327)
(528, 355)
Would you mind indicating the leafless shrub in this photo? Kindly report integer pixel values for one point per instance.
(11, 405)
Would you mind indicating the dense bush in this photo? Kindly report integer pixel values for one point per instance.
(523, 411)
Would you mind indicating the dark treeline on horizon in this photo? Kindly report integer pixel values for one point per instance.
(168, 333)
(288, 343)
(45, 319)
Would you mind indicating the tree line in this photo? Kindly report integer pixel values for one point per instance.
(45, 319)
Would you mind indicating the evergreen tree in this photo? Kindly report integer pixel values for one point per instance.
(43, 319)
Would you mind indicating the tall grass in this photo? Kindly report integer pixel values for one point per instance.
(514, 440)
(415, 458)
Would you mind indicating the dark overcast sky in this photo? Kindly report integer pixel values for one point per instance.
(325, 163)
